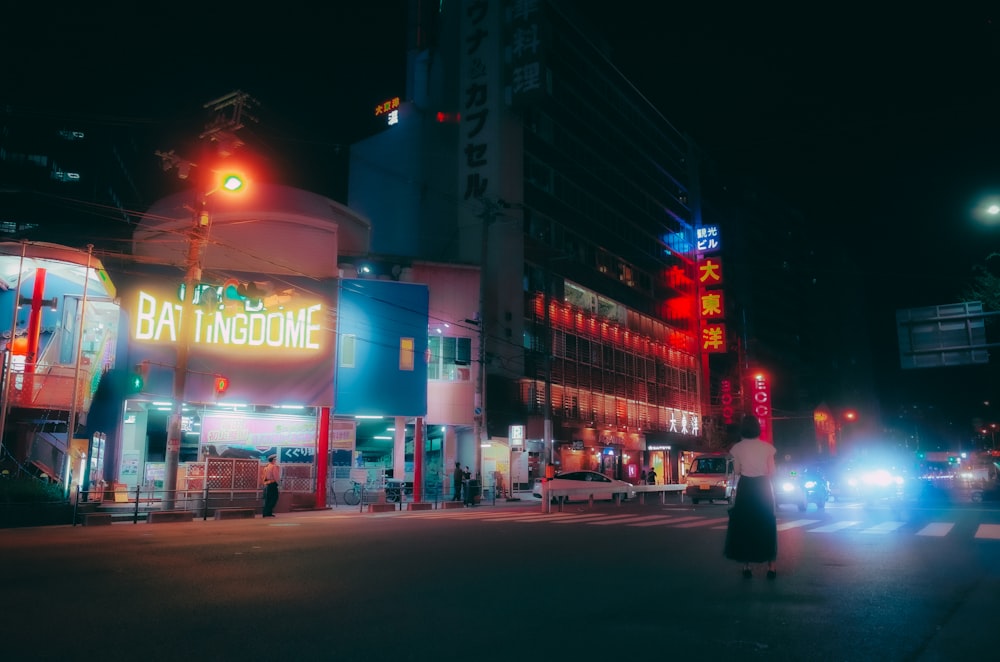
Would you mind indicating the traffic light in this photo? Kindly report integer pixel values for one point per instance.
(137, 380)
(221, 385)
(233, 182)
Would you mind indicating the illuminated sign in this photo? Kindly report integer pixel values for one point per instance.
(517, 436)
(760, 396)
(710, 272)
(386, 107)
(241, 325)
(726, 400)
(713, 338)
(707, 238)
(711, 304)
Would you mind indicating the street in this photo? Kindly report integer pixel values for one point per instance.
(506, 582)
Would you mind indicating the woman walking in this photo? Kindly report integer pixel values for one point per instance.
(752, 535)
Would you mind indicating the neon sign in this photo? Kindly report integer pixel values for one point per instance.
(760, 393)
(158, 320)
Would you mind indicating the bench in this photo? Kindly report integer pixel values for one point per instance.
(418, 505)
(235, 513)
(381, 507)
(97, 519)
(160, 516)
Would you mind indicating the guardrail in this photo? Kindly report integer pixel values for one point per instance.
(199, 502)
(617, 493)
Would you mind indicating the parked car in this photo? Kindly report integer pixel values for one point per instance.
(800, 486)
(584, 483)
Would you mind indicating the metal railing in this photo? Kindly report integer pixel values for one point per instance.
(137, 503)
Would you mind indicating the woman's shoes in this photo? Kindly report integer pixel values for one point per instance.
(747, 574)
(771, 574)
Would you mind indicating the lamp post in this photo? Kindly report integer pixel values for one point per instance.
(222, 132)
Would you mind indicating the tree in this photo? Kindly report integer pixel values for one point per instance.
(985, 285)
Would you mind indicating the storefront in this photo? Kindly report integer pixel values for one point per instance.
(262, 371)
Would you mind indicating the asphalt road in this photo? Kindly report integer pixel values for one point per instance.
(506, 583)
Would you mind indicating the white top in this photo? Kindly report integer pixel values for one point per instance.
(753, 457)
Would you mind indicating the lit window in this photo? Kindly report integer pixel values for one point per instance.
(406, 354)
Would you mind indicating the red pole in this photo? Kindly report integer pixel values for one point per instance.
(35, 321)
(418, 460)
(322, 456)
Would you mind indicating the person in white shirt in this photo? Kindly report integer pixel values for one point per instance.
(752, 535)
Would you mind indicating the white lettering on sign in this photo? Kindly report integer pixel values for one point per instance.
(158, 321)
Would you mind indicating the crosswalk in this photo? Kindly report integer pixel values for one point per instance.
(683, 521)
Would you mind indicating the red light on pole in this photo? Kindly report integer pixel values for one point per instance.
(221, 385)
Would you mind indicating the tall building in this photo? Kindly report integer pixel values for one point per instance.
(518, 146)
(68, 179)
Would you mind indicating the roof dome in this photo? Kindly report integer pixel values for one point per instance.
(270, 228)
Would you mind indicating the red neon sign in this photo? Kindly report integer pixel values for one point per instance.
(760, 396)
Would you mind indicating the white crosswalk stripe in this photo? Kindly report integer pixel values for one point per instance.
(656, 521)
(836, 526)
(701, 522)
(794, 524)
(884, 527)
(618, 519)
(936, 529)
(988, 531)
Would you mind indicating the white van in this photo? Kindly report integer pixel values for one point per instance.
(711, 477)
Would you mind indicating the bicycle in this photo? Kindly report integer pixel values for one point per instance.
(352, 497)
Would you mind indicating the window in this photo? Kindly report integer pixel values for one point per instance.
(347, 350)
(406, 354)
(450, 358)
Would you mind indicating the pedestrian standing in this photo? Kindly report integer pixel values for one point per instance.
(272, 474)
(642, 477)
(651, 476)
(752, 534)
(457, 482)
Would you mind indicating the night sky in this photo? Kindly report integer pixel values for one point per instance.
(882, 126)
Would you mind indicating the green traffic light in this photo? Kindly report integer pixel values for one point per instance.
(232, 183)
(135, 383)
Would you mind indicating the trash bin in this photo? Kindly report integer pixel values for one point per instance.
(472, 491)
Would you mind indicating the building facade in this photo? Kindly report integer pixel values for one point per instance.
(519, 147)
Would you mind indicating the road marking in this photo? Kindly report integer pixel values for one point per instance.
(653, 521)
(794, 524)
(678, 520)
(936, 529)
(988, 531)
(884, 527)
(703, 522)
(621, 519)
(836, 526)
(571, 519)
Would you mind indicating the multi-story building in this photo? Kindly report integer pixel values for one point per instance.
(519, 146)
(69, 180)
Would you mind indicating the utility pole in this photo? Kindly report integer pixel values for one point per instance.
(222, 132)
(490, 211)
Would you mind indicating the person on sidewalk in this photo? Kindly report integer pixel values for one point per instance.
(272, 474)
(457, 479)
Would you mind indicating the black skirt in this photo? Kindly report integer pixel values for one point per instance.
(752, 534)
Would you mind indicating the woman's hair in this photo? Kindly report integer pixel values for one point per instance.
(749, 427)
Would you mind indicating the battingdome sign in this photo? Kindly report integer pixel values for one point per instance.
(243, 324)
(272, 337)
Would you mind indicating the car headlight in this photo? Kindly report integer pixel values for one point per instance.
(810, 484)
(788, 487)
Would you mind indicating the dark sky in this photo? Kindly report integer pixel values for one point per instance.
(882, 125)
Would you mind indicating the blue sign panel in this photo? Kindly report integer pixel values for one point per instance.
(381, 365)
